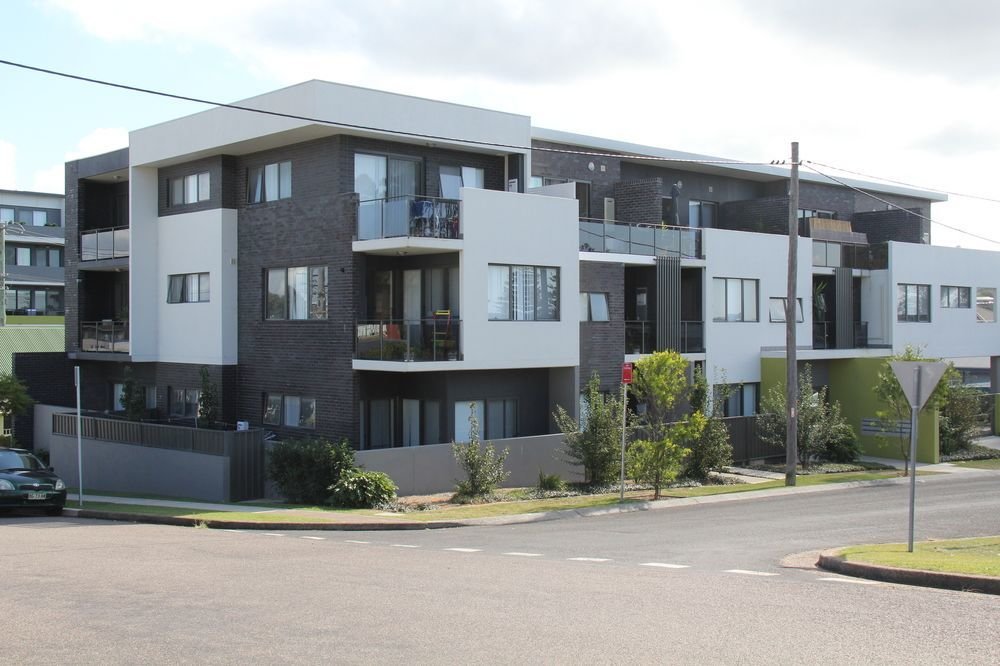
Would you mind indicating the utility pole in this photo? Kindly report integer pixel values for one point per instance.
(791, 318)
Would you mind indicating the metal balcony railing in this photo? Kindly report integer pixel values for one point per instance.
(106, 335)
(435, 339)
(409, 215)
(646, 239)
(110, 243)
(640, 337)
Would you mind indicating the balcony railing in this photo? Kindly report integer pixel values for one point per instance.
(823, 335)
(408, 340)
(111, 243)
(106, 335)
(645, 239)
(410, 215)
(640, 337)
(830, 254)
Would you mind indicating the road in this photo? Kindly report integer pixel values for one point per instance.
(693, 584)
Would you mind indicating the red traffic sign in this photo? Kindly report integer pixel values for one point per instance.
(626, 373)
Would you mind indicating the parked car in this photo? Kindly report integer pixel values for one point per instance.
(25, 482)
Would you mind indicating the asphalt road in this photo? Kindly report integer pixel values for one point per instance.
(694, 584)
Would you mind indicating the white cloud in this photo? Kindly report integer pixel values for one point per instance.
(101, 140)
(8, 161)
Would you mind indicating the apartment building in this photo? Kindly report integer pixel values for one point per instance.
(371, 276)
(33, 252)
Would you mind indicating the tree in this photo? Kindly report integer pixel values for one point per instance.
(959, 418)
(822, 430)
(710, 450)
(133, 397)
(14, 398)
(659, 461)
(483, 466)
(895, 408)
(594, 442)
(208, 401)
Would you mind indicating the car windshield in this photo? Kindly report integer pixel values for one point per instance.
(19, 460)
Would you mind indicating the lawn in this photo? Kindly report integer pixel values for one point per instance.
(980, 464)
(37, 320)
(979, 556)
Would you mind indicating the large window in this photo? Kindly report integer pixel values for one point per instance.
(913, 302)
(269, 182)
(188, 288)
(702, 214)
(22, 300)
(594, 306)
(827, 254)
(955, 297)
(739, 399)
(382, 176)
(497, 418)
(734, 299)
(454, 177)
(523, 293)
(289, 410)
(298, 292)
(184, 402)
(190, 189)
(986, 304)
(777, 307)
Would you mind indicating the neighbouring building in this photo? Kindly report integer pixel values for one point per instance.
(371, 276)
(33, 252)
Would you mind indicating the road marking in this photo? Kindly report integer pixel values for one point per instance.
(353, 541)
(273, 534)
(747, 572)
(314, 538)
(465, 550)
(404, 545)
(856, 581)
(234, 531)
(587, 559)
(517, 554)
(664, 565)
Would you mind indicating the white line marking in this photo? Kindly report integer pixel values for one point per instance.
(234, 531)
(465, 550)
(851, 580)
(517, 554)
(314, 538)
(352, 541)
(272, 534)
(664, 565)
(404, 545)
(587, 559)
(746, 572)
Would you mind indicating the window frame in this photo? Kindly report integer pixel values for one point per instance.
(511, 299)
(587, 306)
(188, 189)
(187, 393)
(743, 299)
(317, 303)
(800, 317)
(903, 288)
(945, 299)
(283, 411)
(282, 182)
(986, 293)
(183, 292)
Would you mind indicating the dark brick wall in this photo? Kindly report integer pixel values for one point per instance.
(639, 201)
(602, 343)
(218, 184)
(816, 196)
(577, 167)
(693, 186)
(886, 225)
(768, 215)
(71, 255)
(48, 377)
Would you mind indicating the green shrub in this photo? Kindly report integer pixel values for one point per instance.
(362, 489)
(842, 446)
(483, 466)
(550, 482)
(305, 469)
(710, 450)
(959, 416)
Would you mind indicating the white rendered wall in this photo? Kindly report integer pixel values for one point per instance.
(952, 332)
(519, 229)
(733, 347)
(144, 304)
(200, 333)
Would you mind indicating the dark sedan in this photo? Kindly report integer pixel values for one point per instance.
(25, 482)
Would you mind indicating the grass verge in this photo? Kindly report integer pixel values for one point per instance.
(980, 464)
(37, 320)
(979, 557)
(276, 516)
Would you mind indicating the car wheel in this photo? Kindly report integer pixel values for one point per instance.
(54, 511)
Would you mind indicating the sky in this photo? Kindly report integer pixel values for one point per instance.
(907, 90)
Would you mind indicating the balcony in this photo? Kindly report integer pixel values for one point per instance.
(657, 240)
(109, 243)
(827, 254)
(640, 337)
(409, 216)
(824, 335)
(106, 335)
(408, 340)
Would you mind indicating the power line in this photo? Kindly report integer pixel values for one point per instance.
(809, 165)
(905, 184)
(323, 121)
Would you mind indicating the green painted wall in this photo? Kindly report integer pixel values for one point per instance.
(851, 383)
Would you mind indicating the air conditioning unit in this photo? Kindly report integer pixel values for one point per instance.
(609, 208)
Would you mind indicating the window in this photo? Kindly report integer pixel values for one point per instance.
(778, 306)
(955, 297)
(298, 292)
(118, 397)
(55, 257)
(986, 304)
(184, 402)
(913, 302)
(806, 213)
(22, 256)
(39, 218)
(826, 254)
(594, 307)
(289, 410)
(497, 418)
(269, 182)
(6, 215)
(701, 214)
(190, 189)
(735, 299)
(382, 176)
(454, 177)
(188, 288)
(523, 293)
(739, 399)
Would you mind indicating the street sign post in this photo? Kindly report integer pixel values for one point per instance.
(626, 380)
(918, 379)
